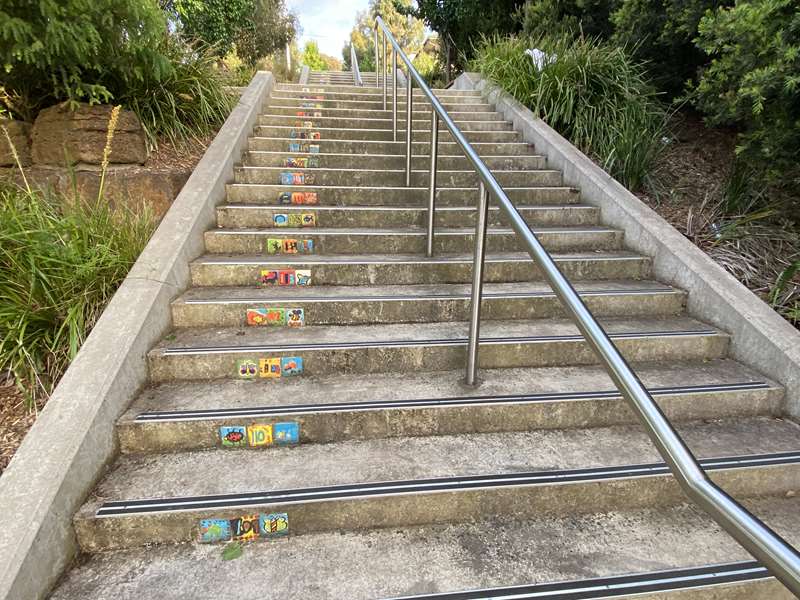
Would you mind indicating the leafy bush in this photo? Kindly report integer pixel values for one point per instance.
(662, 32)
(78, 50)
(190, 101)
(591, 18)
(60, 263)
(753, 82)
(593, 93)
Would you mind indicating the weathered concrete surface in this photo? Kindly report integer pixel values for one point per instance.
(391, 562)
(19, 133)
(63, 136)
(333, 426)
(396, 161)
(73, 438)
(761, 337)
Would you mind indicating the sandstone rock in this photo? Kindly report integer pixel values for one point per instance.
(61, 136)
(20, 133)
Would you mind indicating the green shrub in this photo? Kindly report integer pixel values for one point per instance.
(594, 94)
(591, 18)
(753, 82)
(662, 33)
(190, 101)
(60, 263)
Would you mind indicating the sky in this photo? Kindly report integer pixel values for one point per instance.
(327, 22)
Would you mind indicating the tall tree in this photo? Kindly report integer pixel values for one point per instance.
(409, 33)
(270, 28)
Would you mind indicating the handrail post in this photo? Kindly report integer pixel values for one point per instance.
(383, 70)
(471, 377)
(432, 181)
(376, 55)
(394, 95)
(409, 127)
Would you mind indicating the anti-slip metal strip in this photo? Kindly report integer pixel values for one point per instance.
(349, 260)
(616, 586)
(421, 486)
(193, 351)
(265, 411)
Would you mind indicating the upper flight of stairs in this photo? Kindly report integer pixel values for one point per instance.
(405, 482)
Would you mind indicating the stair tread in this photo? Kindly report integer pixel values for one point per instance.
(379, 231)
(434, 559)
(397, 208)
(385, 387)
(503, 331)
(417, 458)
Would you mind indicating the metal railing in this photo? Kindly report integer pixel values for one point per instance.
(354, 67)
(758, 539)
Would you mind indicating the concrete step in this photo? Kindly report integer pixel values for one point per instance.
(210, 353)
(664, 553)
(374, 94)
(420, 113)
(377, 269)
(349, 195)
(394, 161)
(385, 135)
(407, 481)
(253, 215)
(332, 305)
(420, 123)
(454, 104)
(396, 178)
(368, 147)
(181, 416)
(409, 240)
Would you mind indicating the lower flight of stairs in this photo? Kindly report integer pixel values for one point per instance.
(405, 482)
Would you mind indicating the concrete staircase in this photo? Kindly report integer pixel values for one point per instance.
(404, 481)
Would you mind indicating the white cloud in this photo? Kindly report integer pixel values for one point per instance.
(327, 23)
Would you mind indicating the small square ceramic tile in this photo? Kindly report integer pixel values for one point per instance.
(308, 220)
(286, 277)
(245, 529)
(274, 246)
(274, 525)
(268, 277)
(303, 276)
(291, 365)
(286, 433)
(246, 368)
(259, 435)
(214, 530)
(295, 317)
(234, 436)
(295, 220)
(280, 220)
(269, 368)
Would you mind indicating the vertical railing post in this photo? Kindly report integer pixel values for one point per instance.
(394, 95)
(432, 180)
(409, 126)
(376, 55)
(383, 70)
(471, 377)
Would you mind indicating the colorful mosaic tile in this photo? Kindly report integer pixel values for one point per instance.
(303, 276)
(295, 162)
(305, 246)
(246, 368)
(280, 220)
(313, 148)
(233, 436)
(307, 198)
(295, 317)
(275, 317)
(245, 529)
(259, 435)
(269, 368)
(308, 220)
(215, 530)
(312, 162)
(286, 277)
(286, 433)
(289, 246)
(274, 246)
(295, 220)
(268, 277)
(274, 525)
(291, 365)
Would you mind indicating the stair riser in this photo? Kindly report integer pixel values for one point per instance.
(396, 162)
(367, 93)
(210, 274)
(331, 427)
(382, 359)
(272, 175)
(450, 104)
(421, 114)
(419, 124)
(227, 242)
(347, 96)
(402, 511)
(383, 135)
(232, 217)
(282, 144)
(398, 196)
(434, 310)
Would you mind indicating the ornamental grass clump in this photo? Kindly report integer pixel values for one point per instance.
(591, 92)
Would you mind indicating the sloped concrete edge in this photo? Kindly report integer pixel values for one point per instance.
(761, 337)
(305, 71)
(73, 439)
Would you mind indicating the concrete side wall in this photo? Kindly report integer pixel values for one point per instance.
(761, 338)
(74, 439)
(304, 72)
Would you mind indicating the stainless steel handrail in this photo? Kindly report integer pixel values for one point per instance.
(765, 545)
(354, 67)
